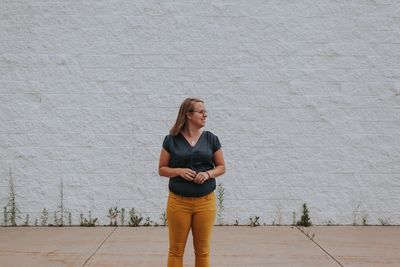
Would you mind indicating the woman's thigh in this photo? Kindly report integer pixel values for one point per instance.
(203, 220)
(179, 219)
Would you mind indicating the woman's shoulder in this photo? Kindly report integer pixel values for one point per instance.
(169, 137)
(168, 142)
(213, 140)
(210, 135)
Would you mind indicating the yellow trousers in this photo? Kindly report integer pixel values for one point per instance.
(183, 214)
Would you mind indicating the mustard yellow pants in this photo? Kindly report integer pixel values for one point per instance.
(183, 214)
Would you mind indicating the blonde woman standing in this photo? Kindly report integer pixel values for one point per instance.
(191, 158)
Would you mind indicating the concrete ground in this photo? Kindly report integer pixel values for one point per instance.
(232, 246)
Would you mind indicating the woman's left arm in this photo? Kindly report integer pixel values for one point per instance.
(219, 164)
(219, 169)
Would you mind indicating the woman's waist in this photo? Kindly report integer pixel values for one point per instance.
(189, 198)
(182, 187)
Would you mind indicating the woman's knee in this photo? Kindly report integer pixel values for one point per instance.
(177, 250)
(202, 247)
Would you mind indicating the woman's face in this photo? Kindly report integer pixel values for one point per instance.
(199, 114)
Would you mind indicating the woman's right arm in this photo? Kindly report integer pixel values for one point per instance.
(166, 171)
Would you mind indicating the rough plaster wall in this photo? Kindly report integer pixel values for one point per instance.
(304, 96)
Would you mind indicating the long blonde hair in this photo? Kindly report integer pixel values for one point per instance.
(186, 106)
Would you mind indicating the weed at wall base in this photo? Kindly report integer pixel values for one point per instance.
(122, 216)
(148, 222)
(254, 221)
(44, 217)
(113, 214)
(384, 221)
(60, 213)
(305, 218)
(134, 218)
(26, 220)
(11, 211)
(163, 218)
(91, 222)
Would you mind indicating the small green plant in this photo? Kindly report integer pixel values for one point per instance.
(356, 209)
(26, 223)
(364, 218)
(69, 219)
(11, 210)
(44, 217)
(113, 215)
(91, 222)
(163, 218)
(294, 218)
(278, 212)
(305, 218)
(5, 214)
(254, 221)
(134, 219)
(384, 221)
(122, 216)
(220, 197)
(330, 222)
(148, 222)
(55, 219)
(60, 213)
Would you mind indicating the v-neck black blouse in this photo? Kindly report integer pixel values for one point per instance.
(199, 158)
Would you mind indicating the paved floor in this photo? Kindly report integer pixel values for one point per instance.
(233, 246)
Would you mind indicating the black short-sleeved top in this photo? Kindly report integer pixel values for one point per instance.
(199, 158)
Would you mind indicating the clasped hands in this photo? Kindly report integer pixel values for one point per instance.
(192, 176)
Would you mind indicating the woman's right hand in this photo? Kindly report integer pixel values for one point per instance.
(187, 174)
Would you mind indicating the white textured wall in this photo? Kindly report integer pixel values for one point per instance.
(304, 95)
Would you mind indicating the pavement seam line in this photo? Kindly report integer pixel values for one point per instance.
(320, 247)
(91, 256)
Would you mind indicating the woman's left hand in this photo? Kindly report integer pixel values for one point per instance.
(201, 177)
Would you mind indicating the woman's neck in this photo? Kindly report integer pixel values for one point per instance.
(191, 131)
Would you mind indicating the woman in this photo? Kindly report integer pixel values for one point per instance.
(191, 158)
